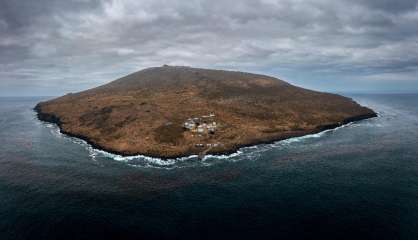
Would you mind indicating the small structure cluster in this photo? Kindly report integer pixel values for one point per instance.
(202, 125)
(209, 145)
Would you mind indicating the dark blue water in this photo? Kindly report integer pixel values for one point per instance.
(356, 182)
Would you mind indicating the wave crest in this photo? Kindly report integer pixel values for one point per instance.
(245, 153)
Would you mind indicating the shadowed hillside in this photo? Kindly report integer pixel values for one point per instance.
(176, 111)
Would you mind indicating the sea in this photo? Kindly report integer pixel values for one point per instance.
(359, 181)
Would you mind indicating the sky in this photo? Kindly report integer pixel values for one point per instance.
(51, 47)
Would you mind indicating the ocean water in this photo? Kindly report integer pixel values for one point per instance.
(359, 181)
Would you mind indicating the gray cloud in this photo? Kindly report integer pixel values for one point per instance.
(52, 47)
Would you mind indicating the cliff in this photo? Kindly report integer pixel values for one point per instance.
(177, 111)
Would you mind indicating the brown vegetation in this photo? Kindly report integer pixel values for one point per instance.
(143, 113)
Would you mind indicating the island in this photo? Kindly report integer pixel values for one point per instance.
(176, 111)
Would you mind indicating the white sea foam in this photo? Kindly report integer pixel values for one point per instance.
(245, 153)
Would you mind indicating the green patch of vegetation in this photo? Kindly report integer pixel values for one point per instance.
(169, 133)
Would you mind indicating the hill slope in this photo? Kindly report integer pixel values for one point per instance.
(177, 111)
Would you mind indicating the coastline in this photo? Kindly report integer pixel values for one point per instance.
(49, 118)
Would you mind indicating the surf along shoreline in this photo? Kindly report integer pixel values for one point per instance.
(50, 118)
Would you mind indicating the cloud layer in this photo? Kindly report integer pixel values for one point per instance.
(51, 47)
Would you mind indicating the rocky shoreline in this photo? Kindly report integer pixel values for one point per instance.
(170, 112)
(50, 118)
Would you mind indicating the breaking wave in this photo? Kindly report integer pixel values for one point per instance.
(245, 153)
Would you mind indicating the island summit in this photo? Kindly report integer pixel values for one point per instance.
(172, 111)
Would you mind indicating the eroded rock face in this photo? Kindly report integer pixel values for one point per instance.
(145, 112)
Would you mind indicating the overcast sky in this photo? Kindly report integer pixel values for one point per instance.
(51, 47)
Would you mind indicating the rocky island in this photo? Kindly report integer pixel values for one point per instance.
(172, 111)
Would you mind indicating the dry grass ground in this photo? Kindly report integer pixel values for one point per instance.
(143, 113)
